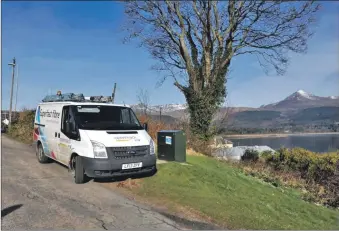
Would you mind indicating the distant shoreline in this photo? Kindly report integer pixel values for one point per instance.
(278, 135)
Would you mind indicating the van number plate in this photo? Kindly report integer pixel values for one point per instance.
(132, 165)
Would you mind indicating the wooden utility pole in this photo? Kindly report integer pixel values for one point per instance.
(11, 99)
(17, 87)
(113, 94)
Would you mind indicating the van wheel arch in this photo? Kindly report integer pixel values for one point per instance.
(42, 158)
(77, 167)
(38, 144)
(72, 160)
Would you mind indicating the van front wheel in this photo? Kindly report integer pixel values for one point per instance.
(79, 171)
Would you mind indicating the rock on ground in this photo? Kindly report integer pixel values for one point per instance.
(235, 153)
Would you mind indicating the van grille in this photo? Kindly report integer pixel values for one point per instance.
(128, 152)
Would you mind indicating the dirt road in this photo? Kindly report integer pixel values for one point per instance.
(36, 196)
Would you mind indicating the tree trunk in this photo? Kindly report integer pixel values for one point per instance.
(200, 117)
(203, 104)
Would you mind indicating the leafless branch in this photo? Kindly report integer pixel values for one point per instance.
(143, 100)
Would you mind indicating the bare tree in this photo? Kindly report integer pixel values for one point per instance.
(143, 100)
(197, 40)
(221, 119)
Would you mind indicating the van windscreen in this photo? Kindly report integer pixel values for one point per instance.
(97, 117)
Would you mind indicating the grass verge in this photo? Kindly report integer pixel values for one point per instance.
(226, 196)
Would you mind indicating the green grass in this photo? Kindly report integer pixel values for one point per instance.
(230, 198)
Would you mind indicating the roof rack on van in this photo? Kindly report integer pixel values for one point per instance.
(71, 97)
(64, 97)
(102, 99)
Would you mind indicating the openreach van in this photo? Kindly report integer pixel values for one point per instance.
(92, 137)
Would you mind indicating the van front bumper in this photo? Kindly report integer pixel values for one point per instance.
(105, 168)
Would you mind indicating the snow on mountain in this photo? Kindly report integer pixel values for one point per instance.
(169, 107)
(300, 95)
(271, 104)
(164, 108)
(302, 99)
(304, 94)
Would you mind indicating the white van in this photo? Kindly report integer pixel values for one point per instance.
(94, 139)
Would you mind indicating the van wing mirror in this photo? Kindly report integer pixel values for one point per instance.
(146, 126)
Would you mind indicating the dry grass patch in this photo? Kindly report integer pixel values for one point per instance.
(191, 152)
(129, 183)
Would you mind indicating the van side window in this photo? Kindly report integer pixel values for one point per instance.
(65, 115)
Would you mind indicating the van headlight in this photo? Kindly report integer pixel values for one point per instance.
(151, 147)
(99, 150)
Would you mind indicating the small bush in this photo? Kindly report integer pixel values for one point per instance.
(22, 129)
(194, 143)
(266, 156)
(153, 126)
(310, 197)
(250, 155)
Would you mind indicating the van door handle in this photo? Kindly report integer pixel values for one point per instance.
(55, 134)
(58, 135)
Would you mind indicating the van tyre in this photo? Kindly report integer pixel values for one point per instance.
(42, 158)
(79, 172)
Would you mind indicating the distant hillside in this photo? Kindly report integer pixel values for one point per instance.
(253, 119)
(317, 114)
(222, 111)
(164, 118)
(256, 116)
(300, 109)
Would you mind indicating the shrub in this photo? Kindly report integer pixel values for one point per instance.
(319, 170)
(200, 145)
(266, 156)
(250, 155)
(22, 129)
(308, 196)
(154, 126)
(194, 143)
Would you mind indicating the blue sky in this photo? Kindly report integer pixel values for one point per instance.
(77, 47)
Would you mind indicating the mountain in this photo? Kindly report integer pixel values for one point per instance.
(301, 100)
(300, 110)
(296, 101)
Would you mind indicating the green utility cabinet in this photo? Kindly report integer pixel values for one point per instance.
(172, 145)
